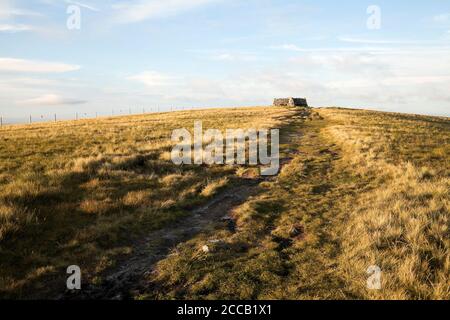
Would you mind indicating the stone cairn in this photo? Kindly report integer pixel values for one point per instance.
(290, 102)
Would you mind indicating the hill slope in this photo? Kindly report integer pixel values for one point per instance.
(363, 189)
(357, 189)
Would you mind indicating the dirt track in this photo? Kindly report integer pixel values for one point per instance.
(126, 278)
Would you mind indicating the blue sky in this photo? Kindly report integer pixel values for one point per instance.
(146, 53)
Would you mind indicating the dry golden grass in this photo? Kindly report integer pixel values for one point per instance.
(214, 186)
(73, 192)
(363, 188)
(402, 225)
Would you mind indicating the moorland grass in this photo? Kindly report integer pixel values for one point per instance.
(79, 192)
(363, 188)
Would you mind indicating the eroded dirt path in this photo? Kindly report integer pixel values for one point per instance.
(287, 242)
(127, 276)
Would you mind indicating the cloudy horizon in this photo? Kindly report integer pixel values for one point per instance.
(146, 53)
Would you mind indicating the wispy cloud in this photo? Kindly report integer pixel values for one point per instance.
(379, 41)
(13, 28)
(376, 49)
(288, 47)
(8, 10)
(358, 79)
(140, 10)
(154, 79)
(295, 48)
(34, 66)
(9, 13)
(442, 18)
(227, 55)
(234, 57)
(50, 100)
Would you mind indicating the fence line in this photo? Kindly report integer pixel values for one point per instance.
(77, 116)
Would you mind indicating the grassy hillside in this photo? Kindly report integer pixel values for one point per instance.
(363, 188)
(357, 189)
(76, 192)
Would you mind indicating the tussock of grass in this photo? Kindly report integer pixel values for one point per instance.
(214, 186)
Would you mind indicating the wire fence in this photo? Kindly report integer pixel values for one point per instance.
(32, 119)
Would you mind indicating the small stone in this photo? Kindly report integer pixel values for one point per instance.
(293, 232)
(296, 231)
(205, 249)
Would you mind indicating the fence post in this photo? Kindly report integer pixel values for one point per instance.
(1, 122)
(55, 117)
(30, 119)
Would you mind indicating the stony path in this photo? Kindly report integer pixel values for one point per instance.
(127, 276)
(292, 245)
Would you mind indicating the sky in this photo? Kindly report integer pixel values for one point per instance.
(98, 56)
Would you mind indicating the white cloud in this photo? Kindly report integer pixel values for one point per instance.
(224, 57)
(389, 78)
(8, 10)
(8, 15)
(154, 79)
(374, 41)
(50, 100)
(228, 55)
(289, 47)
(235, 56)
(23, 12)
(33, 66)
(402, 81)
(379, 49)
(442, 18)
(13, 28)
(140, 10)
(295, 48)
